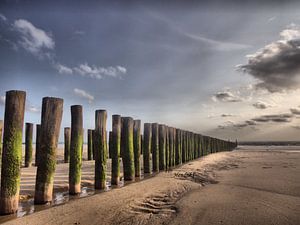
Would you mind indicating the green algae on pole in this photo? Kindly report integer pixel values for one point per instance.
(28, 144)
(115, 149)
(1, 131)
(147, 147)
(109, 144)
(90, 144)
(75, 150)
(67, 140)
(37, 144)
(137, 146)
(128, 154)
(12, 151)
(100, 146)
(162, 147)
(52, 109)
(177, 147)
(155, 147)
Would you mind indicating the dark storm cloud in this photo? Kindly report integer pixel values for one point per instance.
(278, 118)
(277, 65)
(295, 111)
(226, 96)
(260, 105)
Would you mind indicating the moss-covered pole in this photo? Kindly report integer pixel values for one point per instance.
(170, 147)
(67, 141)
(90, 144)
(100, 149)
(147, 147)
(75, 150)
(12, 151)
(183, 149)
(137, 146)
(28, 144)
(1, 131)
(177, 147)
(128, 152)
(155, 147)
(52, 109)
(162, 147)
(37, 144)
(115, 149)
(109, 144)
(167, 147)
(174, 146)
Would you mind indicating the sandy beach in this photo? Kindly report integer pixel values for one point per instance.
(246, 186)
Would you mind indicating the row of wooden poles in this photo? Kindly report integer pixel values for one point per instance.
(167, 146)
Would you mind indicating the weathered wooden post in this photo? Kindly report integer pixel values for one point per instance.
(52, 109)
(128, 152)
(28, 144)
(162, 147)
(75, 150)
(109, 144)
(67, 140)
(170, 147)
(37, 144)
(167, 147)
(137, 146)
(178, 147)
(12, 151)
(1, 131)
(115, 149)
(90, 144)
(100, 149)
(155, 147)
(147, 147)
(93, 144)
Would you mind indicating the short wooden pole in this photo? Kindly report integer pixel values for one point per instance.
(28, 144)
(137, 146)
(67, 140)
(162, 147)
(37, 144)
(155, 147)
(115, 151)
(90, 144)
(147, 147)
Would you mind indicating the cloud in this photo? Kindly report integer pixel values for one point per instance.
(260, 105)
(83, 94)
(2, 100)
(227, 115)
(278, 118)
(62, 69)
(295, 111)
(226, 96)
(33, 109)
(2, 17)
(33, 39)
(277, 65)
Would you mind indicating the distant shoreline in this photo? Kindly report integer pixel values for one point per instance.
(268, 143)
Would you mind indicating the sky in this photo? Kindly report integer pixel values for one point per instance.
(228, 69)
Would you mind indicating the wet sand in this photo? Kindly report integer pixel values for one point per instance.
(256, 186)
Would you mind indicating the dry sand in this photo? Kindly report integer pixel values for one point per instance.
(256, 186)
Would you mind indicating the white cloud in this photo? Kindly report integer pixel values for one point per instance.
(33, 39)
(2, 100)
(33, 109)
(83, 94)
(260, 105)
(62, 69)
(2, 17)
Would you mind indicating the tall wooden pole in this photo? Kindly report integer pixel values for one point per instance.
(155, 147)
(128, 152)
(12, 151)
(147, 147)
(162, 147)
(115, 151)
(137, 146)
(28, 144)
(76, 149)
(52, 109)
(100, 149)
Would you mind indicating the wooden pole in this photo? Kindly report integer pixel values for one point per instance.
(109, 143)
(155, 147)
(100, 149)
(167, 147)
(76, 150)
(12, 151)
(28, 144)
(90, 144)
(37, 144)
(115, 151)
(137, 146)
(67, 135)
(170, 147)
(52, 109)
(1, 132)
(177, 148)
(162, 147)
(128, 152)
(147, 147)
